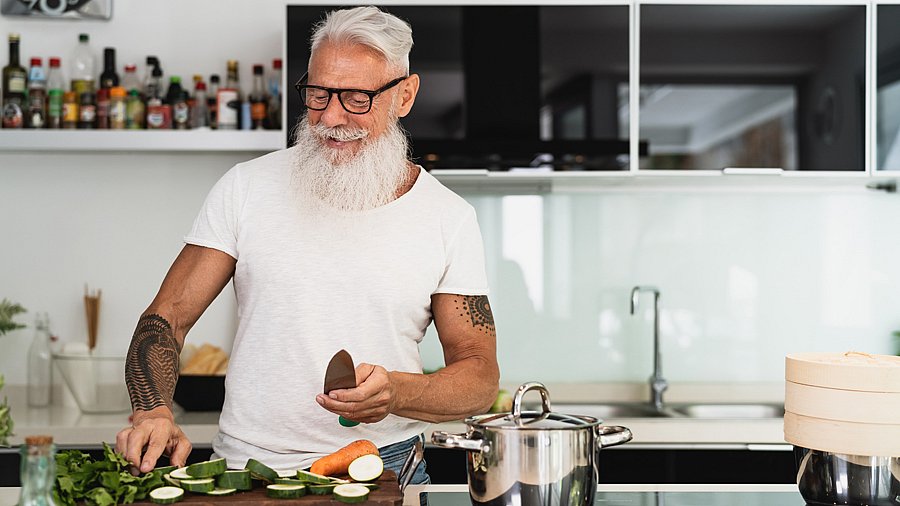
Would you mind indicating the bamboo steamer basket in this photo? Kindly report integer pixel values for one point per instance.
(846, 403)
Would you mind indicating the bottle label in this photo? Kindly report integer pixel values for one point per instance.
(12, 115)
(181, 113)
(117, 114)
(16, 84)
(228, 107)
(158, 116)
(70, 112)
(88, 113)
(36, 112)
(258, 111)
(80, 86)
(54, 105)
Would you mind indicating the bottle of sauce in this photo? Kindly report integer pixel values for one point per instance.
(102, 122)
(36, 108)
(176, 100)
(82, 64)
(274, 109)
(212, 100)
(70, 112)
(258, 100)
(56, 89)
(134, 111)
(109, 77)
(87, 110)
(14, 79)
(228, 100)
(117, 108)
(158, 115)
(200, 111)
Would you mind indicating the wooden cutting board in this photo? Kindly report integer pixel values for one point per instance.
(387, 495)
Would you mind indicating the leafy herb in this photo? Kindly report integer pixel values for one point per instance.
(103, 482)
(6, 422)
(7, 311)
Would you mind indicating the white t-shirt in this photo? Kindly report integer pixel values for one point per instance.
(309, 284)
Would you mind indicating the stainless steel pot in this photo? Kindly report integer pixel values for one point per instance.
(858, 480)
(533, 458)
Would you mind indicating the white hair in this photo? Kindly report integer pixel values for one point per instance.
(370, 26)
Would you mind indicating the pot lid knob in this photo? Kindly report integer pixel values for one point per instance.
(520, 393)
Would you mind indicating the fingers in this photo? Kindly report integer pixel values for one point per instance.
(134, 446)
(363, 371)
(179, 454)
(157, 443)
(122, 440)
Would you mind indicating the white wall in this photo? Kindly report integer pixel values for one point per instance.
(746, 276)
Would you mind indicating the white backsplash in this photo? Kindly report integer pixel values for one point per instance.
(746, 277)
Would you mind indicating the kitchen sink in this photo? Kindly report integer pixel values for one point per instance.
(736, 411)
(611, 411)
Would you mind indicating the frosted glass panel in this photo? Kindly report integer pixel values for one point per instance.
(746, 278)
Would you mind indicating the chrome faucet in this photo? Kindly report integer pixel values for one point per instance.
(658, 384)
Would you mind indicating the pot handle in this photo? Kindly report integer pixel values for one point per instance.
(461, 441)
(520, 393)
(612, 435)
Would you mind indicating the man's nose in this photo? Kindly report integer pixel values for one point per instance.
(334, 113)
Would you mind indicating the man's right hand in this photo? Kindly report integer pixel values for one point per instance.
(153, 433)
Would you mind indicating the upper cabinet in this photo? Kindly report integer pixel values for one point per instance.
(887, 127)
(753, 86)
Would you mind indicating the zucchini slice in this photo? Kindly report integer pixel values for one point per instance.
(166, 495)
(309, 477)
(180, 474)
(351, 493)
(239, 479)
(164, 470)
(222, 491)
(366, 468)
(282, 491)
(289, 481)
(171, 481)
(200, 485)
(321, 488)
(261, 471)
(206, 469)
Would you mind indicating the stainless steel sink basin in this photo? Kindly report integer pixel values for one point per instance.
(609, 411)
(731, 411)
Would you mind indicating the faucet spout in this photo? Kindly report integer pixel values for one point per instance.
(658, 384)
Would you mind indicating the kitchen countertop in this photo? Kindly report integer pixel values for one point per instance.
(70, 427)
(607, 495)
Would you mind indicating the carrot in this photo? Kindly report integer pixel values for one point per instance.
(337, 463)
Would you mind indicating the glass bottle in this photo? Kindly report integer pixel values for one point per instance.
(228, 100)
(211, 100)
(39, 363)
(82, 62)
(200, 111)
(153, 79)
(70, 110)
(87, 111)
(38, 471)
(258, 100)
(274, 88)
(130, 80)
(56, 88)
(109, 78)
(36, 108)
(134, 111)
(117, 108)
(181, 114)
(14, 79)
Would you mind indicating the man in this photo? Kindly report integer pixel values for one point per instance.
(337, 242)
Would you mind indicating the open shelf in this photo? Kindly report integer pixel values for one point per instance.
(141, 140)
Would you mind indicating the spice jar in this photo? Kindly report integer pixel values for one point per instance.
(117, 109)
(70, 110)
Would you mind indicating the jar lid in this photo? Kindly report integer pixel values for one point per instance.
(38, 440)
(851, 370)
(539, 420)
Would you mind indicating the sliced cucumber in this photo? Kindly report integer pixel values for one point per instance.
(339, 481)
(351, 493)
(171, 481)
(180, 474)
(164, 470)
(166, 495)
(201, 485)
(287, 474)
(366, 468)
(239, 479)
(308, 477)
(289, 481)
(321, 488)
(222, 491)
(261, 471)
(281, 491)
(207, 469)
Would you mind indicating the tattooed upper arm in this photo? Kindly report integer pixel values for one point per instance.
(151, 368)
(477, 310)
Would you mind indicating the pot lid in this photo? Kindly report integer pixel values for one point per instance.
(851, 370)
(544, 419)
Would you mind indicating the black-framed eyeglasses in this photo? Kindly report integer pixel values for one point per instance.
(353, 101)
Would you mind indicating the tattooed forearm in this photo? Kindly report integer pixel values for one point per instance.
(478, 309)
(151, 368)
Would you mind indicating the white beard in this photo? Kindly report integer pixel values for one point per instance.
(358, 181)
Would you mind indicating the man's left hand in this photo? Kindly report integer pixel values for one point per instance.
(371, 401)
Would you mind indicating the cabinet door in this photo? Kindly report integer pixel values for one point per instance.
(774, 86)
(887, 129)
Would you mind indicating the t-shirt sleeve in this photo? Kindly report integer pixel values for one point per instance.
(464, 272)
(216, 225)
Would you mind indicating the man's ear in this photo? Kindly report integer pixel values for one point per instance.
(409, 88)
